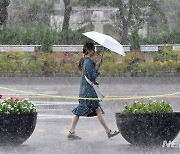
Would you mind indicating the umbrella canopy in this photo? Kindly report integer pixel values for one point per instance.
(106, 41)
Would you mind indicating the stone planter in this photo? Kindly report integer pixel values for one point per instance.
(16, 129)
(148, 129)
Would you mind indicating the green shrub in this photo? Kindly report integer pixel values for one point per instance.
(46, 64)
(167, 37)
(109, 69)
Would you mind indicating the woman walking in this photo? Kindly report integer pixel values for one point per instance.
(88, 107)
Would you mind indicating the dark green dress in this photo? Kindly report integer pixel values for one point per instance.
(87, 107)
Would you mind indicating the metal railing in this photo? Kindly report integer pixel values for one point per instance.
(78, 48)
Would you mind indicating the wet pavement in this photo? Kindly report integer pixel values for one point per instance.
(54, 114)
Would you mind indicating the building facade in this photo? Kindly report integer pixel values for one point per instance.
(81, 16)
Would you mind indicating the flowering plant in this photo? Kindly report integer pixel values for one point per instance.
(150, 107)
(15, 106)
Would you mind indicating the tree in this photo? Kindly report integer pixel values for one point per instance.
(130, 12)
(134, 39)
(135, 12)
(3, 11)
(172, 12)
(39, 11)
(30, 12)
(67, 14)
(47, 42)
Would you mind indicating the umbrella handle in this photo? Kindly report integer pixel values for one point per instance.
(102, 56)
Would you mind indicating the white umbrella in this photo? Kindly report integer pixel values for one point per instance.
(106, 41)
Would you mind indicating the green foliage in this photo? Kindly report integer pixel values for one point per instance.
(20, 35)
(37, 15)
(167, 37)
(148, 108)
(38, 34)
(135, 65)
(109, 69)
(39, 11)
(49, 64)
(134, 12)
(15, 106)
(165, 54)
(89, 3)
(35, 34)
(69, 37)
(134, 40)
(111, 56)
(131, 58)
(130, 64)
(47, 42)
(63, 64)
(111, 64)
(31, 12)
(69, 69)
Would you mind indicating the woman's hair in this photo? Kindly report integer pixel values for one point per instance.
(87, 46)
(80, 64)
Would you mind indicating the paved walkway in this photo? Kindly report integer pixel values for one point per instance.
(50, 135)
(54, 117)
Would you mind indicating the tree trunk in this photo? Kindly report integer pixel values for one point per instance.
(124, 37)
(126, 24)
(67, 15)
(3, 11)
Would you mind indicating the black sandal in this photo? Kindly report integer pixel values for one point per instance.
(112, 134)
(73, 136)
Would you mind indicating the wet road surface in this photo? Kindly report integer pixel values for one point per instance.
(54, 114)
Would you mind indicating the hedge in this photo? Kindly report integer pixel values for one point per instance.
(65, 64)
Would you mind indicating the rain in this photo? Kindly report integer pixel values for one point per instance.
(41, 47)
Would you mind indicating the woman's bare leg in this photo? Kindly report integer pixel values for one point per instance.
(101, 120)
(74, 123)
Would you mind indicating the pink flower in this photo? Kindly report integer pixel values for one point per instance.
(11, 98)
(1, 96)
(17, 99)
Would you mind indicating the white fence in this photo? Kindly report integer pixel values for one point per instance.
(20, 48)
(78, 48)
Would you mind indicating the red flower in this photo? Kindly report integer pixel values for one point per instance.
(1, 96)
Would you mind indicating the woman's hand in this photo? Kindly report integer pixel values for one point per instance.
(99, 62)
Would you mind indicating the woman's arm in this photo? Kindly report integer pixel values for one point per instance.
(90, 71)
